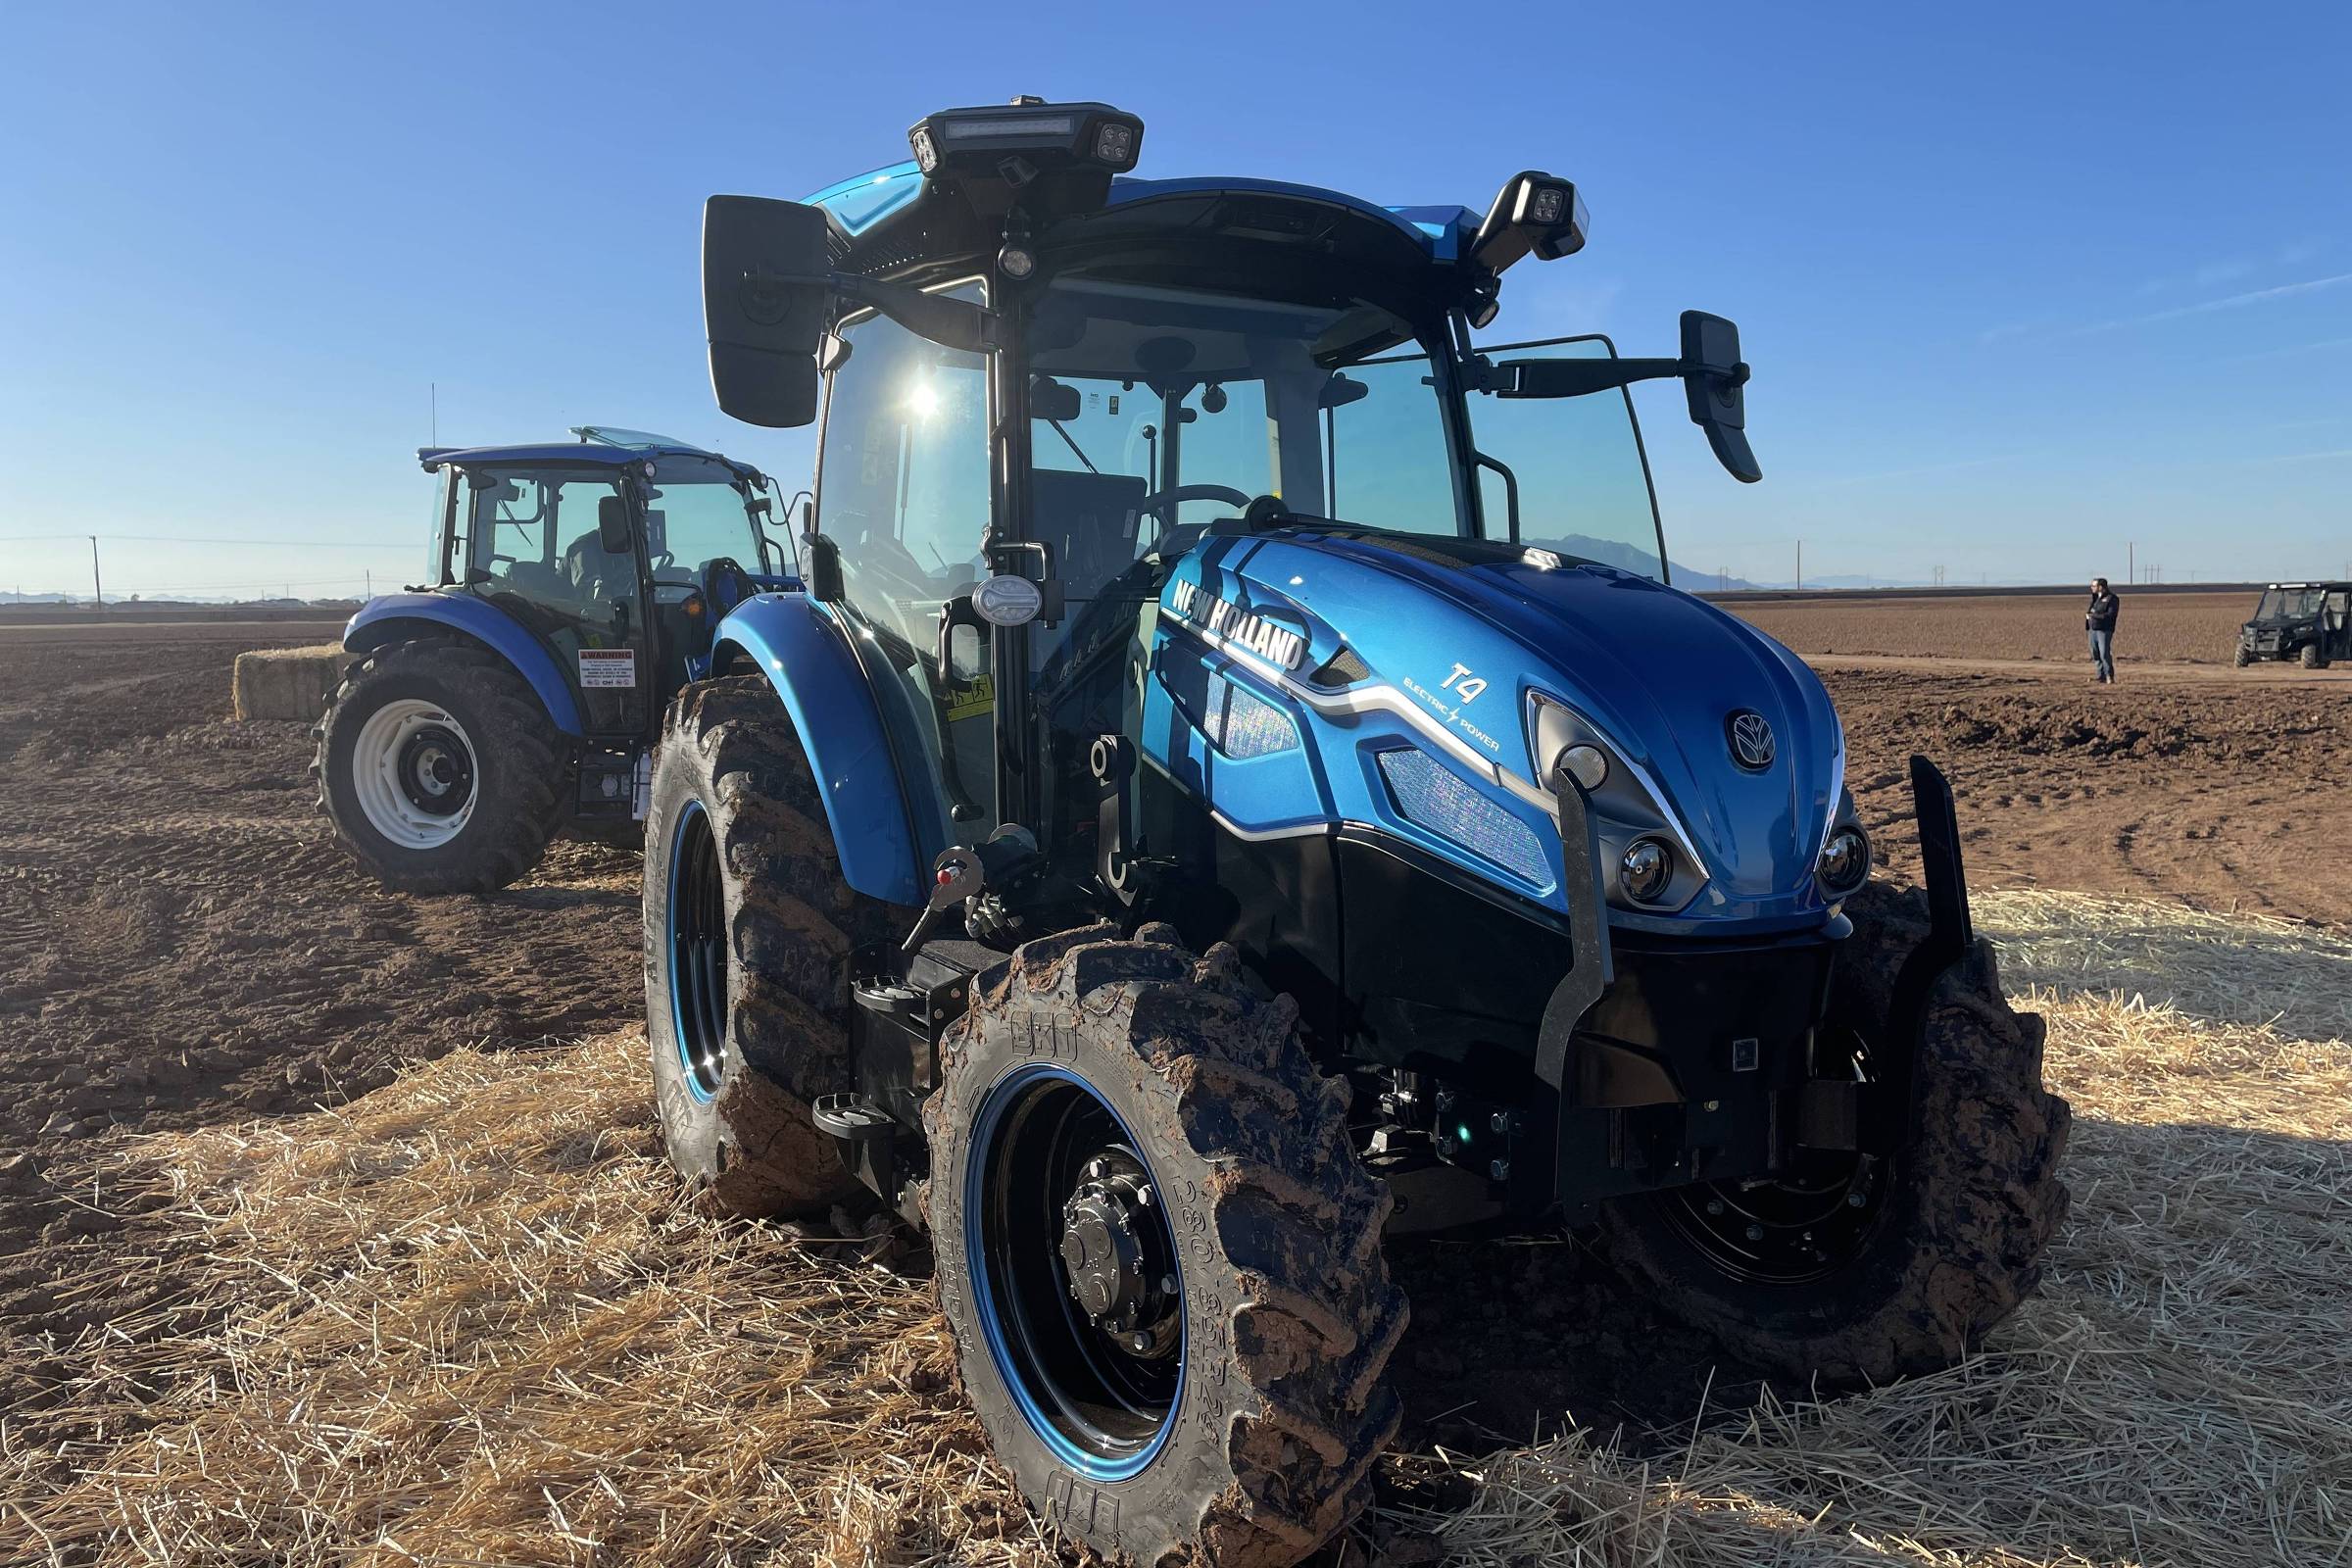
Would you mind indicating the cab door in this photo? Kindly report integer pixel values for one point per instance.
(533, 549)
(2336, 622)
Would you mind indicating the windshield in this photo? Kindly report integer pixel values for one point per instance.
(1154, 407)
(2289, 603)
(694, 514)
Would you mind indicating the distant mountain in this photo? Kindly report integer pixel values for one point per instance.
(1629, 557)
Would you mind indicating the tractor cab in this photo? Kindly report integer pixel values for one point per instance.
(1044, 390)
(615, 555)
(2308, 621)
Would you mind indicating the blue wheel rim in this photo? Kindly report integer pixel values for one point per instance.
(697, 952)
(1104, 1413)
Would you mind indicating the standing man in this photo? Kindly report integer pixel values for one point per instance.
(2099, 619)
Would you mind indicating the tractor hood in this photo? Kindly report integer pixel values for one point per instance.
(1475, 638)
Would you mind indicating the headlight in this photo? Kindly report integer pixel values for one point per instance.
(1845, 862)
(1588, 765)
(1645, 870)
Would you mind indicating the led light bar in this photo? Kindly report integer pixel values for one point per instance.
(1050, 137)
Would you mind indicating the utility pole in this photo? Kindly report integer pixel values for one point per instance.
(368, 578)
(433, 391)
(97, 588)
(1800, 562)
(2130, 572)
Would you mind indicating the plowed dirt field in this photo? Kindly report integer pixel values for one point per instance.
(182, 945)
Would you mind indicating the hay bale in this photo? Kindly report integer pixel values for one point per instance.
(287, 682)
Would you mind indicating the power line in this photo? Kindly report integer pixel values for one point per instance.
(181, 539)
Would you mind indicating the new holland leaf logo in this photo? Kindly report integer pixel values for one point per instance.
(1269, 640)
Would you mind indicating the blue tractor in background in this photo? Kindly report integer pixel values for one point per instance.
(575, 589)
(1238, 781)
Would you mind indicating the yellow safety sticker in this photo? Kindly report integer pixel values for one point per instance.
(969, 702)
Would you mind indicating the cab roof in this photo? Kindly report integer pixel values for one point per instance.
(613, 450)
(860, 203)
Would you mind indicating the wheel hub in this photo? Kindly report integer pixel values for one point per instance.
(1107, 1248)
(435, 772)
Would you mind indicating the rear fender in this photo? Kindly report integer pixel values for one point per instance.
(402, 618)
(801, 652)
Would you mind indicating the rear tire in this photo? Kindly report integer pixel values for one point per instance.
(1232, 1409)
(2313, 658)
(439, 767)
(1950, 1235)
(748, 928)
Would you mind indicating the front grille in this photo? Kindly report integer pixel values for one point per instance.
(1429, 794)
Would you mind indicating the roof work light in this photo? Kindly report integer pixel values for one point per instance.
(1533, 212)
(1047, 158)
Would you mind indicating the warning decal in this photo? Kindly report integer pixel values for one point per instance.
(608, 667)
(969, 702)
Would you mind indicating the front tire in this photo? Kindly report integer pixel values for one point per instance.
(439, 769)
(2241, 658)
(1891, 1268)
(749, 929)
(1160, 1255)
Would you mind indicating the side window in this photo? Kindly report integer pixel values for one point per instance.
(903, 492)
(1384, 448)
(1583, 488)
(903, 481)
(536, 535)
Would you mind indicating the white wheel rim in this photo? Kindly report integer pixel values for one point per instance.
(403, 765)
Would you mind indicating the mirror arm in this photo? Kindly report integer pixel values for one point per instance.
(950, 322)
(1576, 378)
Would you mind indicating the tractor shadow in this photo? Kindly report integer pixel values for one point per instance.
(1513, 1342)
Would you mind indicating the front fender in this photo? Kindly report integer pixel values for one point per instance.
(800, 651)
(399, 617)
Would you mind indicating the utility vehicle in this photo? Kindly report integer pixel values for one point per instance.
(2309, 621)
(573, 590)
(1239, 781)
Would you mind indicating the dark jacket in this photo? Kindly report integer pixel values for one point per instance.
(2100, 617)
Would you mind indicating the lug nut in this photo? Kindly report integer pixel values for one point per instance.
(1167, 1284)
(1139, 1341)
(1855, 1199)
(1714, 1205)
(1755, 1233)
(1500, 1121)
(1144, 1197)
(1500, 1171)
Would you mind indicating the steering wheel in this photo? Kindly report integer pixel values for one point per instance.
(725, 584)
(1162, 501)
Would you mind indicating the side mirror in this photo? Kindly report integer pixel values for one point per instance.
(1715, 379)
(1055, 401)
(765, 298)
(613, 526)
(1341, 390)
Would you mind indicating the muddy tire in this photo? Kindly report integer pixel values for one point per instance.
(2313, 658)
(2241, 658)
(749, 927)
(1948, 1236)
(439, 767)
(1221, 1399)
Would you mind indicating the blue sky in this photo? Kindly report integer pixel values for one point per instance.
(2021, 284)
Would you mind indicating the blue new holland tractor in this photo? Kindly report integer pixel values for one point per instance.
(1235, 780)
(574, 591)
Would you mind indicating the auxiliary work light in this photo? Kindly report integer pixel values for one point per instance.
(1533, 212)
